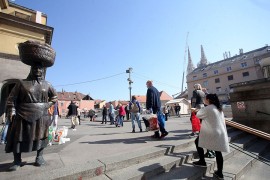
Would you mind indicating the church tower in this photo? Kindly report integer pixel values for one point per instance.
(190, 66)
(203, 61)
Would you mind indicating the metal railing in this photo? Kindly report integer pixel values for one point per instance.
(251, 131)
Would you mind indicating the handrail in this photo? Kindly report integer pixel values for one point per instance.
(250, 130)
(255, 132)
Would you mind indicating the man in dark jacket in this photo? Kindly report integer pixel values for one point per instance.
(72, 111)
(104, 114)
(153, 104)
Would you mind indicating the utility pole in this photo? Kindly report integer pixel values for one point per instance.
(129, 81)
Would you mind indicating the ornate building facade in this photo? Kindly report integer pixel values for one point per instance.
(217, 77)
(17, 24)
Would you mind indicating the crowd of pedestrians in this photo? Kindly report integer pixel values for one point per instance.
(207, 121)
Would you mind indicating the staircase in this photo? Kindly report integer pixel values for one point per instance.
(174, 161)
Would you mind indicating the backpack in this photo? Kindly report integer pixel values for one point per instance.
(134, 108)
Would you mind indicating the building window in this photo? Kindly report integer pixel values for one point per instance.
(229, 68)
(230, 77)
(205, 83)
(244, 64)
(245, 74)
(204, 75)
(218, 89)
(217, 80)
(62, 104)
(194, 77)
(21, 15)
(215, 71)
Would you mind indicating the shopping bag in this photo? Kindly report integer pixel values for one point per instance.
(153, 124)
(195, 121)
(58, 136)
(50, 137)
(76, 121)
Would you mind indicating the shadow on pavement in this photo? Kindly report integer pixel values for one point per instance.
(138, 140)
(148, 170)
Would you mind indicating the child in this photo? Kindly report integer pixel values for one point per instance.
(196, 125)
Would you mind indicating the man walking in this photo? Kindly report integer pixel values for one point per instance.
(111, 113)
(127, 112)
(153, 104)
(72, 111)
(104, 114)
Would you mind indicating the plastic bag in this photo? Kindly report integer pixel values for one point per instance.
(195, 121)
(50, 137)
(58, 135)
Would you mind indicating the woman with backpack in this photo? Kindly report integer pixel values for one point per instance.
(135, 109)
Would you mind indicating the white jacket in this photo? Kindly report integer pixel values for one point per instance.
(213, 134)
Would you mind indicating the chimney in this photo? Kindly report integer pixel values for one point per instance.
(240, 51)
(38, 17)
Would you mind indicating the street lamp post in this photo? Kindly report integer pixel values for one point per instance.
(129, 81)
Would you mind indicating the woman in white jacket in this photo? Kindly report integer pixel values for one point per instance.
(213, 134)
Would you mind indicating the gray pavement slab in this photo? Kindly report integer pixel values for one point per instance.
(91, 142)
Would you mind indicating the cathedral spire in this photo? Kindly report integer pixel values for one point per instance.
(190, 66)
(203, 61)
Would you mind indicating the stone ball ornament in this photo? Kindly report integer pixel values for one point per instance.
(35, 53)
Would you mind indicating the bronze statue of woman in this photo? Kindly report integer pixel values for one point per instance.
(28, 105)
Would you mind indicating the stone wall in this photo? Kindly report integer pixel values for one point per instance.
(250, 103)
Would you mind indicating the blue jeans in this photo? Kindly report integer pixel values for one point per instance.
(135, 117)
(161, 123)
(121, 118)
(4, 133)
(111, 116)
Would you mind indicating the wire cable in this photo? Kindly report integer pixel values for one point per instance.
(99, 79)
(159, 82)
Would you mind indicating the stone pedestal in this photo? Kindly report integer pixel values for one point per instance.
(250, 103)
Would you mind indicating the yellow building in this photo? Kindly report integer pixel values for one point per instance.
(17, 24)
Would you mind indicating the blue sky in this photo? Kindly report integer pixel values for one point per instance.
(96, 39)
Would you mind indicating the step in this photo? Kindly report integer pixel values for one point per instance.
(100, 177)
(146, 169)
(131, 158)
(243, 142)
(230, 129)
(259, 171)
(240, 163)
(127, 159)
(188, 171)
(233, 136)
(77, 171)
(185, 171)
